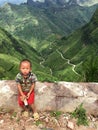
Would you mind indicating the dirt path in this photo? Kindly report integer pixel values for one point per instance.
(48, 121)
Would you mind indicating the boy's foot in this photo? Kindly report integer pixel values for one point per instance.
(25, 114)
(36, 116)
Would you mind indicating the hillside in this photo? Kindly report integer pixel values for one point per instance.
(74, 57)
(87, 2)
(12, 50)
(57, 56)
(37, 25)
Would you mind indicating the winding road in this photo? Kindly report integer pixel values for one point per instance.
(41, 63)
(68, 61)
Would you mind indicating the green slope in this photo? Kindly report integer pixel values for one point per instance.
(12, 50)
(35, 25)
(80, 48)
(72, 58)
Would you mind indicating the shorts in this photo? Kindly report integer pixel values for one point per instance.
(30, 100)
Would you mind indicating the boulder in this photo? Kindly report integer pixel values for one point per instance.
(8, 94)
(60, 96)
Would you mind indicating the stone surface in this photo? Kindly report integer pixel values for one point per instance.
(63, 96)
(8, 94)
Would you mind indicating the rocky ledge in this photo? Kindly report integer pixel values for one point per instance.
(62, 97)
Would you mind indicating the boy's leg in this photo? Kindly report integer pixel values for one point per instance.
(33, 108)
(32, 105)
(24, 111)
(36, 115)
(20, 102)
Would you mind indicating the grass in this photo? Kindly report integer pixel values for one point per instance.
(55, 114)
(80, 114)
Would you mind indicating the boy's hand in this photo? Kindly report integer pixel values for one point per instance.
(23, 97)
(28, 95)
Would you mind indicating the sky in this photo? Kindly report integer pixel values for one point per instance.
(16, 1)
(12, 1)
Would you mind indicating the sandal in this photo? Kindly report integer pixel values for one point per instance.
(25, 114)
(36, 116)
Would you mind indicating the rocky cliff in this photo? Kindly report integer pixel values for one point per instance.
(49, 3)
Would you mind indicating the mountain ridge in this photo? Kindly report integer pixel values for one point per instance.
(60, 2)
(50, 3)
(28, 22)
(77, 54)
(63, 3)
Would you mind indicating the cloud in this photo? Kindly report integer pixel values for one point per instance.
(12, 1)
(17, 1)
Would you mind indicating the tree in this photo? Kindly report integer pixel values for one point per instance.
(90, 69)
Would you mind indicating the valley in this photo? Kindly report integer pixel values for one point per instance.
(68, 61)
(60, 42)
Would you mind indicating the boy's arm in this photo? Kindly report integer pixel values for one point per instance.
(20, 90)
(31, 89)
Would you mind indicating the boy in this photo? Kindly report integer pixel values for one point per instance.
(25, 80)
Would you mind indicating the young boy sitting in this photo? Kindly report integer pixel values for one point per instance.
(25, 80)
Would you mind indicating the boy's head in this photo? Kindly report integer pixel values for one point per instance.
(25, 67)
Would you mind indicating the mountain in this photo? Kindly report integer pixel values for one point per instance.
(12, 51)
(75, 58)
(62, 2)
(58, 55)
(36, 25)
(72, 58)
(87, 2)
(53, 3)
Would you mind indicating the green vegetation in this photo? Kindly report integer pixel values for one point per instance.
(38, 122)
(80, 114)
(66, 58)
(90, 69)
(55, 114)
(71, 57)
(12, 50)
(35, 25)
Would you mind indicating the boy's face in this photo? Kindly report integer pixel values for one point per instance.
(25, 68)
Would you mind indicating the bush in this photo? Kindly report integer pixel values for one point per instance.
(80, 114)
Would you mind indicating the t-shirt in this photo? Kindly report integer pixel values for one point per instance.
(26, 82)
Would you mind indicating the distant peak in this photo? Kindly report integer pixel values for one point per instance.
(72, 2)
(51, 2)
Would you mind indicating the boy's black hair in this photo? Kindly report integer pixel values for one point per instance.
(23, 60)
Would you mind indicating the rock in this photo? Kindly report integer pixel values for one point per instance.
(60, 96)
(70, 125)
(84, 128)
(1, 121)
(47, 96)
(66, 96)
(15, 121)
(8, 94)
(32, 128)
